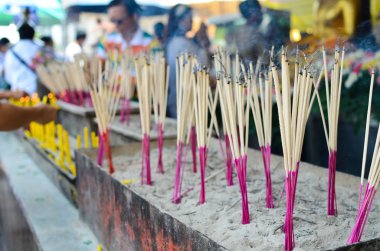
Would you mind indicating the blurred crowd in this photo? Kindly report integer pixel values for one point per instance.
(18, 62)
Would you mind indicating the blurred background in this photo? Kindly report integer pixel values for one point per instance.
(304, 21)
(236, 25)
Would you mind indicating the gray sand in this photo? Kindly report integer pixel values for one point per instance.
(220, 217)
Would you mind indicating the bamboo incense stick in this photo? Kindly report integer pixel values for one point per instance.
(48, 80)
(202, 105)
(222, 66)
(160, 97)
(366, 136)
(333, 92)
(372, 183)
(235, 110)
(105, 97)
(144, 76)
(185, 111)
(128, 89)
(262, 115)
(293, 117)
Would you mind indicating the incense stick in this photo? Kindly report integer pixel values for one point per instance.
(262, 115)
(222, 66)
(366, 137)
(333, 92)
(128, 89)
(235, 110)
(202, 105)
(105, 97)
(144, 78)
(67, 80)
(372, 183)
(293, 117)
(185, 65)
(160, 97)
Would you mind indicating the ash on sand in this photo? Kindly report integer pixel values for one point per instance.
(220, 217)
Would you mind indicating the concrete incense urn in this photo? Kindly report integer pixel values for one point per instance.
(126, 215)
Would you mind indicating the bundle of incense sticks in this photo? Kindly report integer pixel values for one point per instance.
(333, 92)
(202, 99)
(235, 111)
(365, 203)
(128, 89)
(65, 80)
(105, 98)
(262, 115)
(144, 77)
(53, 78)
(293, 116)
(82, 63)
(49, 81)
(223, 67)
(73, 76)
(185, 112)
(160, 97)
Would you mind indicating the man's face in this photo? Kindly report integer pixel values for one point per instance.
(119, 17)
(3, 48)
(187, 22)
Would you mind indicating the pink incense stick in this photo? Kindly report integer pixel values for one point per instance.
(193, 143)
(81, 98)
(100, 150)
(73, 99)
(266, 152)
(294, 179)
(229, 168)
(125, 110)
(107, 146)
(241, 170)
(288, 227)
(203, 159)
(291, 188)
(178, 174)
(89, 100)
(331, 200)
(65, 96)
(160, 143)
(362, 216)
(145, 171)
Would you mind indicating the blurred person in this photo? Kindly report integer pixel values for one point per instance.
(124, 14)
(75, 47)
(47, 50)
(201, 37)
(20, 61)
(180, 22)
(248, 39)
(159, 32)
(158, 41)
(96, 34)
(4, 45)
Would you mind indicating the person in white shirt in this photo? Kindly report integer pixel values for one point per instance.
(4, 45)
(76, 47)
(19, 63)
(124, 15)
